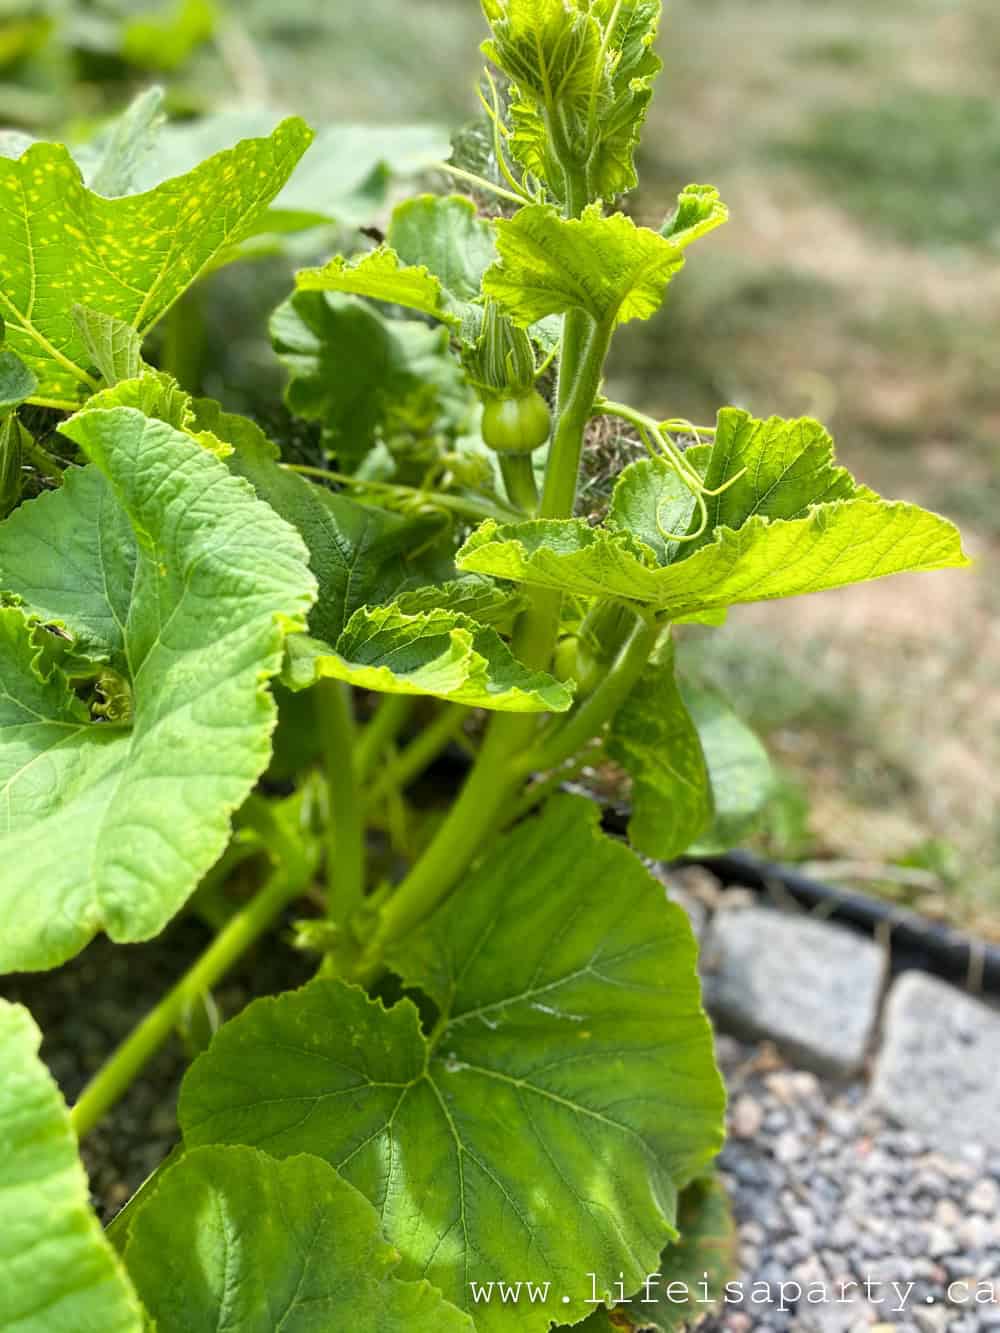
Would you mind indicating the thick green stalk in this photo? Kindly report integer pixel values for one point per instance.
(566, 738)
(345, 853)
(114, 1080)
(499, 769)
(475, 507)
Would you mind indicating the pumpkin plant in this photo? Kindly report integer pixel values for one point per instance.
(224, 669)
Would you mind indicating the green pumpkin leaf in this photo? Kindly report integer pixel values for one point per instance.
(229, 1237)
(655, 740)
(543, 1128)
(793, 523)
(847, 542)
(60, 1275)
(438, 652)
(633, 69)
(381, 276)
(607, 266)
(739, 768)
(437, 251)
(699, 210)
(114, 347)
(129, 258)
(691, 1276)
(360, 374)
(17, 381)
(159, 564)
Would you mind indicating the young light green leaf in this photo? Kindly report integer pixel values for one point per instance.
(607, 266)
(60, 1275)
(567, 1092)
(583, 79)
(381, 276)
(739, 769)
(634, 66)
(655, 740)
(438, 652)
(156, 394)
(114, 347)
(129, 258)
(699, 210)
(229, 1237)
(548, 50)
(832, 545)
(366, 377)
(17, 382)
(161, 565)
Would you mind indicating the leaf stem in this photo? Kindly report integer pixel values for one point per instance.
(345, 843)
(110, 1084)
(389, 719)
(40, 458)
(480, 182)
(547, 786)
(475, 507)
(418, 755)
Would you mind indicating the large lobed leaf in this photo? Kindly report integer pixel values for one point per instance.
(164, 568)
(62, 245)
(230, 1238)
(794, 524)
(544, 1127)
(441, 652)
(57, 1272)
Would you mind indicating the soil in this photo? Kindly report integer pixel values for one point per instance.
(88, 1006)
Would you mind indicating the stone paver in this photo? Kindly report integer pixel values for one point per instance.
(811, 987)
(938, 1070)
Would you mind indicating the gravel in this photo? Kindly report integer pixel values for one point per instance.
(828, 1192)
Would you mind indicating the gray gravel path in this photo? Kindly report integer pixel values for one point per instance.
(827, 1193)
